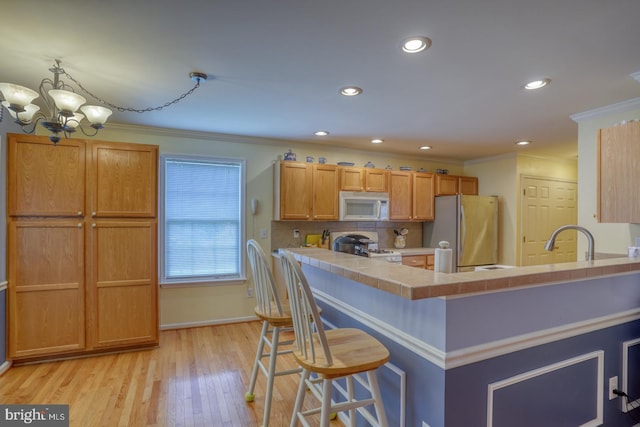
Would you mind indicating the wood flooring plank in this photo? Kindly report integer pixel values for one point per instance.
(196, 377)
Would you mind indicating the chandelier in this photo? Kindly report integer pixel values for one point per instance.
(62, 103)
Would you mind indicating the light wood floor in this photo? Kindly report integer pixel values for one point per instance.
(197, 377)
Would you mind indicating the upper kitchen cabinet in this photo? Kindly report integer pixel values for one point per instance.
(423, 201)
(400, 195)
(363, 179)
(351, 178)
(468, 185)
(449, 185)
(44, 181)
(305, 191)
(123, 179)
(411, 196)
(325, 192)
(618, 173)
(376, 180)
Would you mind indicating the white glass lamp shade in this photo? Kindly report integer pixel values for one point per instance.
(95, 114)
(73, 121)
(25, 116)
(17, 95)
(67, 102)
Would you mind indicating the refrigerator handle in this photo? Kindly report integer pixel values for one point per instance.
(463, 230)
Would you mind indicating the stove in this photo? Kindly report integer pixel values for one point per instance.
(363, 243)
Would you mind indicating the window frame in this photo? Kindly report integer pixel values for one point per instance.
(209, 280)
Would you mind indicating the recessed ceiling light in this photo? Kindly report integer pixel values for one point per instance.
(377, 141)
(351, 91)
(321, 133)
(523, 142)
(416, 44)
(425, 147)
(537, 84)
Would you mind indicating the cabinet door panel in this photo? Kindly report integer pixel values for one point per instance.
(423, 201)
(619, 174)
(325, 192)
(45, 179)
(46, 287)
(351, 179)
(124, 282)
(468, 185)
(124, 180)
(376, 180)
(446, 185)
(400, 195)
(295, 190)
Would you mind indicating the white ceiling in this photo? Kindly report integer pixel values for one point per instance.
(275, 67)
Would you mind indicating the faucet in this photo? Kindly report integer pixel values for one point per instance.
(552, 240)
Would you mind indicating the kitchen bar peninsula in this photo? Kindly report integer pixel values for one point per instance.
(526, 346)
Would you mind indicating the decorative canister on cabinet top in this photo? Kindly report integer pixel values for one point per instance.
(290, 155)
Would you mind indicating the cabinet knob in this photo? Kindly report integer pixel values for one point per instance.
(79, 213)
(93, 214)
(79, 225)
(93, 225)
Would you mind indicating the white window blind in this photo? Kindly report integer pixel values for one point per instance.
(202, 221)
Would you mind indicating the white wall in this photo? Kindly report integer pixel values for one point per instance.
(609, 238)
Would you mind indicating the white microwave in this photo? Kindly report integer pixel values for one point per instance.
(364, 206)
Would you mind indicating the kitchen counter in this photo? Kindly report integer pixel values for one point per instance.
(413, 284)
(496, 340)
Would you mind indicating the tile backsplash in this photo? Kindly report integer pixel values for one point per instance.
(282, 231)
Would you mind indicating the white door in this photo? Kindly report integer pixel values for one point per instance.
(546, 205)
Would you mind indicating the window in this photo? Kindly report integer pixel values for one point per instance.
(202, 227)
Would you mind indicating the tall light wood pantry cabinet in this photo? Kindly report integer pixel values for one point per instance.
(82, 247)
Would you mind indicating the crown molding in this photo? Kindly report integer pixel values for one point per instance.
(630, 104)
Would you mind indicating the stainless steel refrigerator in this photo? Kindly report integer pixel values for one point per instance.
(470, 225)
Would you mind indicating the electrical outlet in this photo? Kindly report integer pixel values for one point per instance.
(613, 384)
(263, 233)
(296, 233)
(249, 292)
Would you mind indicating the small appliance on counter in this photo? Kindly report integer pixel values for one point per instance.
(362, 243)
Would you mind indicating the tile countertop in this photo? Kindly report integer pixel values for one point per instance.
(414, 283)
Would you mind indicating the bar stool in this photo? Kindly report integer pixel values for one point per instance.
(331, 355)
(275, 317)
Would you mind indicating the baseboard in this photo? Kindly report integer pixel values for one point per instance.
(5, 367)
(170, 326)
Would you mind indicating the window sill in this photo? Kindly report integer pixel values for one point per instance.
(208, 283)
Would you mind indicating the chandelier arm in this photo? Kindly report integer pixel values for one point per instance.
(25, 126)
(85, 132)
(134, 110)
